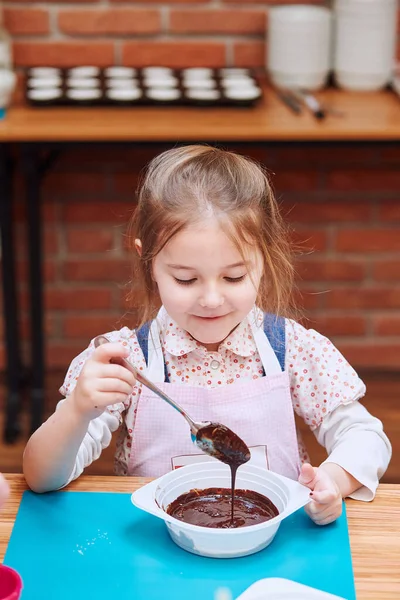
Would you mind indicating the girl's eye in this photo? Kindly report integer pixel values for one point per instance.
(184, 281)
(235, 279)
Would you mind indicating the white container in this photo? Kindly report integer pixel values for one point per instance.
(365, 43)
(155, 497)
(299, 46)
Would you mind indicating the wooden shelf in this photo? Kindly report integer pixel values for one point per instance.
(368, 116)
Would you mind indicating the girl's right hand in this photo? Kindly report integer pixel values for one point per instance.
(101, 383)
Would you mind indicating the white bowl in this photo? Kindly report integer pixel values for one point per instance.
(155, 497)
(275, 588)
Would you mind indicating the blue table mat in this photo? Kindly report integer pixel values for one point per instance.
(73, 545)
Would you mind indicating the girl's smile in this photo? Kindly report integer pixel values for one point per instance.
(204, 282)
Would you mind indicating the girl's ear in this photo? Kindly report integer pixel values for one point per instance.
(138, 246)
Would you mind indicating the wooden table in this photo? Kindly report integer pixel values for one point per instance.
(374, 531)
(373, 117)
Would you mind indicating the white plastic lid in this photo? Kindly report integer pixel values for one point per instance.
(83, 94)
(44, 71)
(167, 94)
(233, 72)
(160, 81)
(84, 71)
(83, 83)
(250, 93)
(122, 84)
(204, 84)
(43, 94)
(203, 94)
(157, 71)
(197, 72)
(124, 94)
(119, 72)
(44, 82)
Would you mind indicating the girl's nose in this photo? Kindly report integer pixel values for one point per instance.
(211, 298)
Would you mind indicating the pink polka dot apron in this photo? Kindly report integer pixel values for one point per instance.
(260, 411)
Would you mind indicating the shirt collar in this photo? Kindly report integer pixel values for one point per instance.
(177, 341)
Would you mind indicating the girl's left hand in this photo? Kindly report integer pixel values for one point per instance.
(326, 504)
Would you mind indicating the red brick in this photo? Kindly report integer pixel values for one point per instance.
(117, 271)
(61, 184)
(78, 298)
(390, 153)
(50, 326)
(295, 180)
(330, 270)
(59, 355)
(98, 212)
(329, 211)
(363, 298)
(217, 21)
(340, 325)
(306, 240)
(249, 54)
(386, 270)
(372, 355)
(364, 180)
(389, 211)
(50, 270)
(48, 211)
(126, 183)
(110, 22)
(89, 240)
(387, 325)
(50, 243)
(368, 240)
(63, 54)
(307, 299)
(326, 155)
(88, 326)
(26, 21)
(173, 54)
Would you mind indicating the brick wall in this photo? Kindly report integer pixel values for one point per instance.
(342, 201)
(138, 33)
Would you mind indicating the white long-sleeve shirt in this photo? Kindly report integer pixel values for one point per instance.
(325, 392)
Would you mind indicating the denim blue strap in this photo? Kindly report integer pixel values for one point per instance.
(142, 335)
(274, 329)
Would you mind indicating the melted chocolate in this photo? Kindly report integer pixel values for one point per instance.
(228, 448)
(213, 508)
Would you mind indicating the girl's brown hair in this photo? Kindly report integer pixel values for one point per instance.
(182, 186)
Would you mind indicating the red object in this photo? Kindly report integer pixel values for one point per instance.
(10, 583)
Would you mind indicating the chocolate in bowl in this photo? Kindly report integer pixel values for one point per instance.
(212, 507)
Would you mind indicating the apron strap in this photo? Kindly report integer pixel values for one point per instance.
(274, 329)
(142, 335)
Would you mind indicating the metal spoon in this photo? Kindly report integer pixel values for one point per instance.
(214, 439)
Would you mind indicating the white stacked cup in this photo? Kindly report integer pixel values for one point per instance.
(299, 46)
(365, 43)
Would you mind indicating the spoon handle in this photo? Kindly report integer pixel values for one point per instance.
(102, 339)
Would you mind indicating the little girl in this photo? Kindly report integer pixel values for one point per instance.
(214, 262)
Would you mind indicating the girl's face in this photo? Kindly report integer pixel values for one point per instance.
(204, 283)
